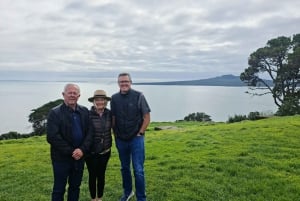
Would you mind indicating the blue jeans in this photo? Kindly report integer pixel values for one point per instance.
(67, 171)
(134, 150)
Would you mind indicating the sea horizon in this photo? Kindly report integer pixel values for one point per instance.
(168, 103)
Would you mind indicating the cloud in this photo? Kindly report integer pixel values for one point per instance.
(200, 37)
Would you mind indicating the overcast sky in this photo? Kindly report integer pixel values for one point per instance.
(196, 37)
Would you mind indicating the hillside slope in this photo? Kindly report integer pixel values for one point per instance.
(250, 160)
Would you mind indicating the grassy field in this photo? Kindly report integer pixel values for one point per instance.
(250, 160)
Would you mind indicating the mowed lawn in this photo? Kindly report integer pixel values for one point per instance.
(249, 160)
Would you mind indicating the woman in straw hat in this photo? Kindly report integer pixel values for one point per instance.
(96, 161)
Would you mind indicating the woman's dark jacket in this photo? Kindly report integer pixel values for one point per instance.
(101, 130)
(59, 132)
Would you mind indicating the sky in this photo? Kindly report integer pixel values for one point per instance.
(182, 38)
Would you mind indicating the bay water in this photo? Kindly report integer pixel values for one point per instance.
(168, 103)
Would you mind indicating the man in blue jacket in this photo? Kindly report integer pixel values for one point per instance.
(130, 118)
(69, 139)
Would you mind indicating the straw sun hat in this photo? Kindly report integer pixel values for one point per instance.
(99, 94)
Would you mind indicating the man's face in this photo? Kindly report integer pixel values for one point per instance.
(124, 83)
(71, 95)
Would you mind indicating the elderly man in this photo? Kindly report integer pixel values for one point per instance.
(69, 139)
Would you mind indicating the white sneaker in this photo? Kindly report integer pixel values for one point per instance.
(127, 197)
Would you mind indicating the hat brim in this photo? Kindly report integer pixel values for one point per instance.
(91, 99)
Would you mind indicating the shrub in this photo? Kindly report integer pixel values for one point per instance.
(199, 116)
(237, 118)
(254, 116)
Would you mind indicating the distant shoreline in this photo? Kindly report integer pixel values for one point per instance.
(224, 80)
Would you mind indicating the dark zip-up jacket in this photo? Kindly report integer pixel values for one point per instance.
(128, 114)
(59, 132)
(101, 129)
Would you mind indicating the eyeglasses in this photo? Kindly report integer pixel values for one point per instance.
(124, 81)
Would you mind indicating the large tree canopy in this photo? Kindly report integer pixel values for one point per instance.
(38, 117)
(279, 61)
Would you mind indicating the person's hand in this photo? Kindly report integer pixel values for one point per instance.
(77, 154)
(140, 134)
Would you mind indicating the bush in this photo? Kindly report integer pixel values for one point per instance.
(251, 116)
(237, 118)
(199, 116)
(14, 135)
(290, 106)
(254, 116)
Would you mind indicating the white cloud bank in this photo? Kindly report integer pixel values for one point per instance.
(190, 36)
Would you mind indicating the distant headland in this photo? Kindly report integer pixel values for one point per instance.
(224, 80)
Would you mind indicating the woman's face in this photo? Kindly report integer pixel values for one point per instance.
(100, 103)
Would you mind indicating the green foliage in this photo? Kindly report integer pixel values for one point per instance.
(246, 161)
(10, 135)
(290, 106)
(251, 116)
(237, 118)
(199, 116)
(38, 117)
(14, 135)
(279, 60)
(254, 116)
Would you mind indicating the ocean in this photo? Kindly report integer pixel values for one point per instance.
(168, 103)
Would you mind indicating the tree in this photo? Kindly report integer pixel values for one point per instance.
(279, 61)
(38, 117)
(199, 116)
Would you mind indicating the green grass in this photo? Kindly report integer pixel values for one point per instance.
(250, 160)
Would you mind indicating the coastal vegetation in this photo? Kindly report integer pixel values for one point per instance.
(38, 117)
(197, 116)
(243, 161)
(279, 60)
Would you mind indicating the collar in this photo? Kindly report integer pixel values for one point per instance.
(125, 94)
(71, 109)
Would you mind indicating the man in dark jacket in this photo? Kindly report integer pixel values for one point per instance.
(69, 139)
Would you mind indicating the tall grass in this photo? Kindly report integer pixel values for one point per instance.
(249, 160)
